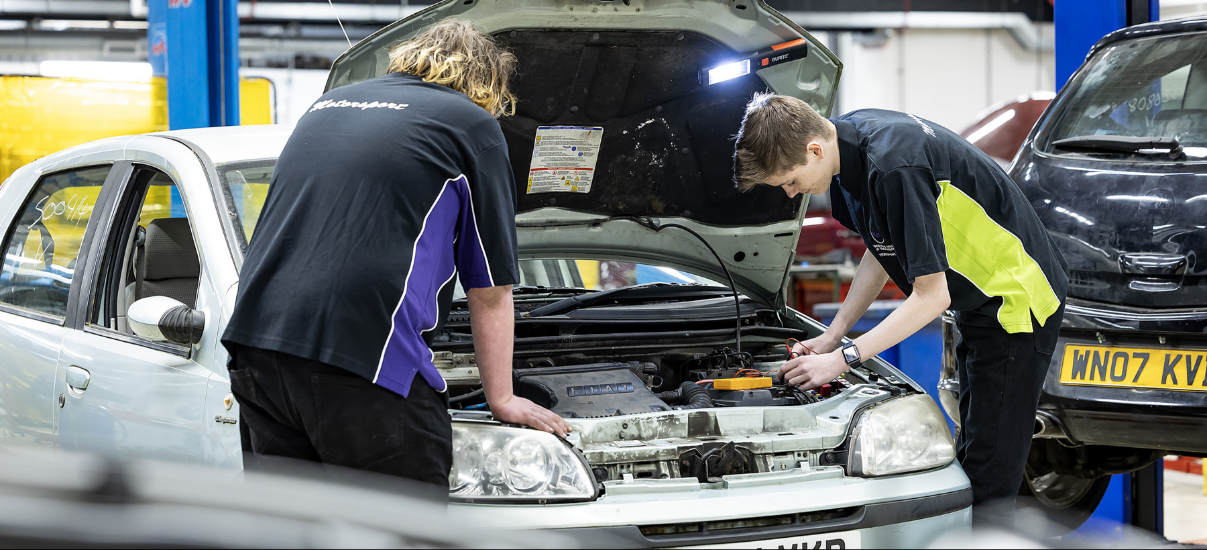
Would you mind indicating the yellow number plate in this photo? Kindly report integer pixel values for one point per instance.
(1166, 369)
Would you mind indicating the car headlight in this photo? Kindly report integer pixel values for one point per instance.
(512, 464)
(902, 435)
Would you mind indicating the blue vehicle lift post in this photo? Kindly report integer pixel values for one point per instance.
(1135, 498)
(1081, 23)
(195, 45)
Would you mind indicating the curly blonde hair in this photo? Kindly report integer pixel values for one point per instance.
(452, 53)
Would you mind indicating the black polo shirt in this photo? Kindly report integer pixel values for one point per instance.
(386, 192)
(926, 201)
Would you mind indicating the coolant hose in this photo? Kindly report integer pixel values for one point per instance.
(693, 396)
(467, 397)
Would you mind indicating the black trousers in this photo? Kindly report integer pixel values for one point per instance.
(302, 409)
(1001, 377)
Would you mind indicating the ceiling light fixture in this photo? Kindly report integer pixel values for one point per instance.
(112, 71)
(64, 24)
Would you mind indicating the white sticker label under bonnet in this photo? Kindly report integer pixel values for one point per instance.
(563, 159)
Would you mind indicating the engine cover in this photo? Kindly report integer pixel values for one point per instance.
(587, 391)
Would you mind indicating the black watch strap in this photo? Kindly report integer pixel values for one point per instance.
(850, 354)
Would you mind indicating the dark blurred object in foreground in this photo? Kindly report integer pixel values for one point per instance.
(84, 501)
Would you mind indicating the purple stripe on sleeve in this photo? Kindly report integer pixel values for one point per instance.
(472, 262)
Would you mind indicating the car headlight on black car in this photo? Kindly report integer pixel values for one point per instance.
(903, 435)
(496, 463)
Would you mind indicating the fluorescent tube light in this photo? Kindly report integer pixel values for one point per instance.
(98, 70)
(63, 24)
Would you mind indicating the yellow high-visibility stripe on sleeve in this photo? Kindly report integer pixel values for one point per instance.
(994, 260)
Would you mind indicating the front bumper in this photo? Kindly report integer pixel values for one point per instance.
(910, 510)
(1144, 418)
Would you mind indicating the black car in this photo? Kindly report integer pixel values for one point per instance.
(1117, 170)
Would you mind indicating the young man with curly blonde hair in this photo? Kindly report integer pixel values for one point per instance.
(388, 191)
(953, 231)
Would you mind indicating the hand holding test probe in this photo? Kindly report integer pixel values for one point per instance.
(811, 363)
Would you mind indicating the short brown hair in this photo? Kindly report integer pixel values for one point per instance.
(452, 53)
(773, 136)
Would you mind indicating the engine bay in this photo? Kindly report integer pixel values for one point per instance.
(639, 350)
(657, 387)
(574, 386)
(618, 389)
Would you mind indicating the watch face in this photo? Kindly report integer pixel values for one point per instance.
(850, 354)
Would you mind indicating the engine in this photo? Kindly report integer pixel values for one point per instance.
(586, 391)
(622, 388)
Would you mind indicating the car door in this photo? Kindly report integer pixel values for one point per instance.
(49, 222)
(127, 396)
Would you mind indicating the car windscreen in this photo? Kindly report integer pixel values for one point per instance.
(245, 185)
(593, 275)
(1146, 88)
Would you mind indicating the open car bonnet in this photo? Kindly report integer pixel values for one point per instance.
(618, 131)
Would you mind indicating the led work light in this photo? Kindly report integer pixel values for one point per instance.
(779, 53)
(729, 71)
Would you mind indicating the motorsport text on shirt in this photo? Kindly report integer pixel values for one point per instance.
(387, 191)
(925, 201)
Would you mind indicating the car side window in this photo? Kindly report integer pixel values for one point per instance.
(43, 243)
(246, 190)
(150, 251)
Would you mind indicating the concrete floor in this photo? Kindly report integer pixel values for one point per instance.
(1185, 508)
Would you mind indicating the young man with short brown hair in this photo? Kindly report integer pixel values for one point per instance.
(952, 230)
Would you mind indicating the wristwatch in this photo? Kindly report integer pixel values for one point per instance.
(850, 354)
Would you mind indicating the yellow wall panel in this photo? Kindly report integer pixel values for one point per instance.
(44, 115)
(39, 116)
(589, 269)
(255, 101)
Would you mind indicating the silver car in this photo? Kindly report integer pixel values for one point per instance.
(122, 260)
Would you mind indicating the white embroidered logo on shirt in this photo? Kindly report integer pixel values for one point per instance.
(362, 105)
(925, 127)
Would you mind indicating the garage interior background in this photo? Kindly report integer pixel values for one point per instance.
(945, 60)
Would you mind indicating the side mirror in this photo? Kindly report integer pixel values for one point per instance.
(162, 319)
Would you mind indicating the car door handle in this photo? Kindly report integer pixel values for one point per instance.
(77, 378)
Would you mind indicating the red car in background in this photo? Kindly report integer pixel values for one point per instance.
(823, 239)
(1001, 130)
